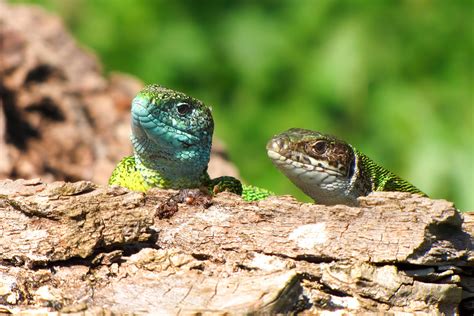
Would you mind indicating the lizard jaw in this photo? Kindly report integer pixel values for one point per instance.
(325, 186)
(156, 130)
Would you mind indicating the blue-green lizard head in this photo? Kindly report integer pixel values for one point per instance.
(171, 129)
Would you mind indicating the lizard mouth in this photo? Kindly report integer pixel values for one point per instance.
(156, 129)
(298, 161)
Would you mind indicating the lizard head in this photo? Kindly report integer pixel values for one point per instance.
(321, 165)
(171, 129)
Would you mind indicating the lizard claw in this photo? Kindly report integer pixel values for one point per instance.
(195, 197)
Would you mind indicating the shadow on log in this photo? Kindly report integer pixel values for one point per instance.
(78, 247)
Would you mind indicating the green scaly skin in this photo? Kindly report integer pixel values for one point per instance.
(329, 170)
(171, 138)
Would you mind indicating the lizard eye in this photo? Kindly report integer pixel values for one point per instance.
(320, 146)
(183, 108)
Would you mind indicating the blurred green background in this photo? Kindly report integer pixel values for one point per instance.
(394, 78)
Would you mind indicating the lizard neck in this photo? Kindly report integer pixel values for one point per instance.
(169, 167)
(373, 177)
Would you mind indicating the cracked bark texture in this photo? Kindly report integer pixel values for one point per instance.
(82, 248)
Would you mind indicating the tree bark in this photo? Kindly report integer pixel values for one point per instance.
(79, 247)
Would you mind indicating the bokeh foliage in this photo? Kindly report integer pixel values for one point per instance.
(394, 78)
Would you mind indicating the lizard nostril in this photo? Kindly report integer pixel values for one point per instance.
(277, 144)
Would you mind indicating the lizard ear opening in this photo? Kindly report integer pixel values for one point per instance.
(352, 167)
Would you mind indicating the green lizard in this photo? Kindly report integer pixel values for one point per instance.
(171, 138)
(329, 170)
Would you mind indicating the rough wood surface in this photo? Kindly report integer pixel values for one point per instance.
(79, 247)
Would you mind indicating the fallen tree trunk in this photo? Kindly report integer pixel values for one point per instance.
(76, 247)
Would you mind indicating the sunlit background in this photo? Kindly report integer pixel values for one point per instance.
(394, 78)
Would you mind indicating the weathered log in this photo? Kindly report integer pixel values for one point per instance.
(79, 247)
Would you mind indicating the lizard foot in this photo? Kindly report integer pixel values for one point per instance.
(196, 197)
